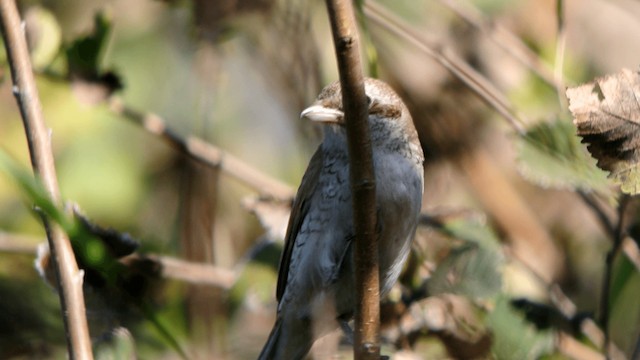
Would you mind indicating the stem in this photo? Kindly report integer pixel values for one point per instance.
(69, 277)
(503, 38)
(476, 82)
(363, 186)
(620, 233)
(205, 152)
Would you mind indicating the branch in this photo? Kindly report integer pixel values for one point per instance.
(205, 153)
(629, 246)
(618, 240)
(460, 69)
(191, 272)
(69, 278)
(502, 37)
(558, 298)
(169, 268)
(362, 179)
(18, 244)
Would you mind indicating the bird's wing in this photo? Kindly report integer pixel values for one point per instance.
(298, 213)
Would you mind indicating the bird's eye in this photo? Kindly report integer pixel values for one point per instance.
(369, 100)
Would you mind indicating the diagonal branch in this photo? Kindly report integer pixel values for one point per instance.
(205, 153)
(460, 69)
(68, 275)
(362, 179)
(506, 40)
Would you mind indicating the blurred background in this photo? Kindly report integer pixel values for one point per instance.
(508, 263)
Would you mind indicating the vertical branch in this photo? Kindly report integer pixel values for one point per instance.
(620, 234)
(204, 305)
(24, 89)
(367, 315)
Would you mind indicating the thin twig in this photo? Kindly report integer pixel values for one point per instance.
(558, 298)
(170, 268)
(590, 200)
(505, 39)
(459, 68)
(588, 326)
(362, 179)
(629, 246)
(38, 137)
(574, 349)
(18, 244)
(206, 153)
(194, 272)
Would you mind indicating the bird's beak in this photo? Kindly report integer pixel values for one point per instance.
(321, 114)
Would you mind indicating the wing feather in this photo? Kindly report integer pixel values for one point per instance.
(299, 212)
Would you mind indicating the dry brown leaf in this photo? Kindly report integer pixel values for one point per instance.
(607, 114)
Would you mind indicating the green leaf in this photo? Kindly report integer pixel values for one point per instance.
(84, 54)
(514, 337)
(624, 312)
(34, 190)
(623, 272)
(91, 252)
(84, 65)
(551, 155)
(473, 269)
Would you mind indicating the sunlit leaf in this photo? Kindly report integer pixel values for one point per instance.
(550, 155)
(607, 114)
(514, 337)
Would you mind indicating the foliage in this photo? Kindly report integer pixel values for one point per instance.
(242, 90)
(551, 156)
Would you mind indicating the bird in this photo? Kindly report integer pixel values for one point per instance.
(316, 281)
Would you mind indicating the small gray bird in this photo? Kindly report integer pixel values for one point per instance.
(315, 287)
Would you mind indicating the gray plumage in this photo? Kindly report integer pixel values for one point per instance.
(316, 276)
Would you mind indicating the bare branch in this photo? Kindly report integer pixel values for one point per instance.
(69, 277)
(18, 244)
(618, 240)
(192, 272)
(460, 69)
(505, 39)
(362, 181)
(205, 152)
(574, 349)
(170, 268)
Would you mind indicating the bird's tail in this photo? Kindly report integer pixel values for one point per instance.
(269, 351)
(292, 343)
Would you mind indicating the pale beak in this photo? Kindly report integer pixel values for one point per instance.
(323, 114)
